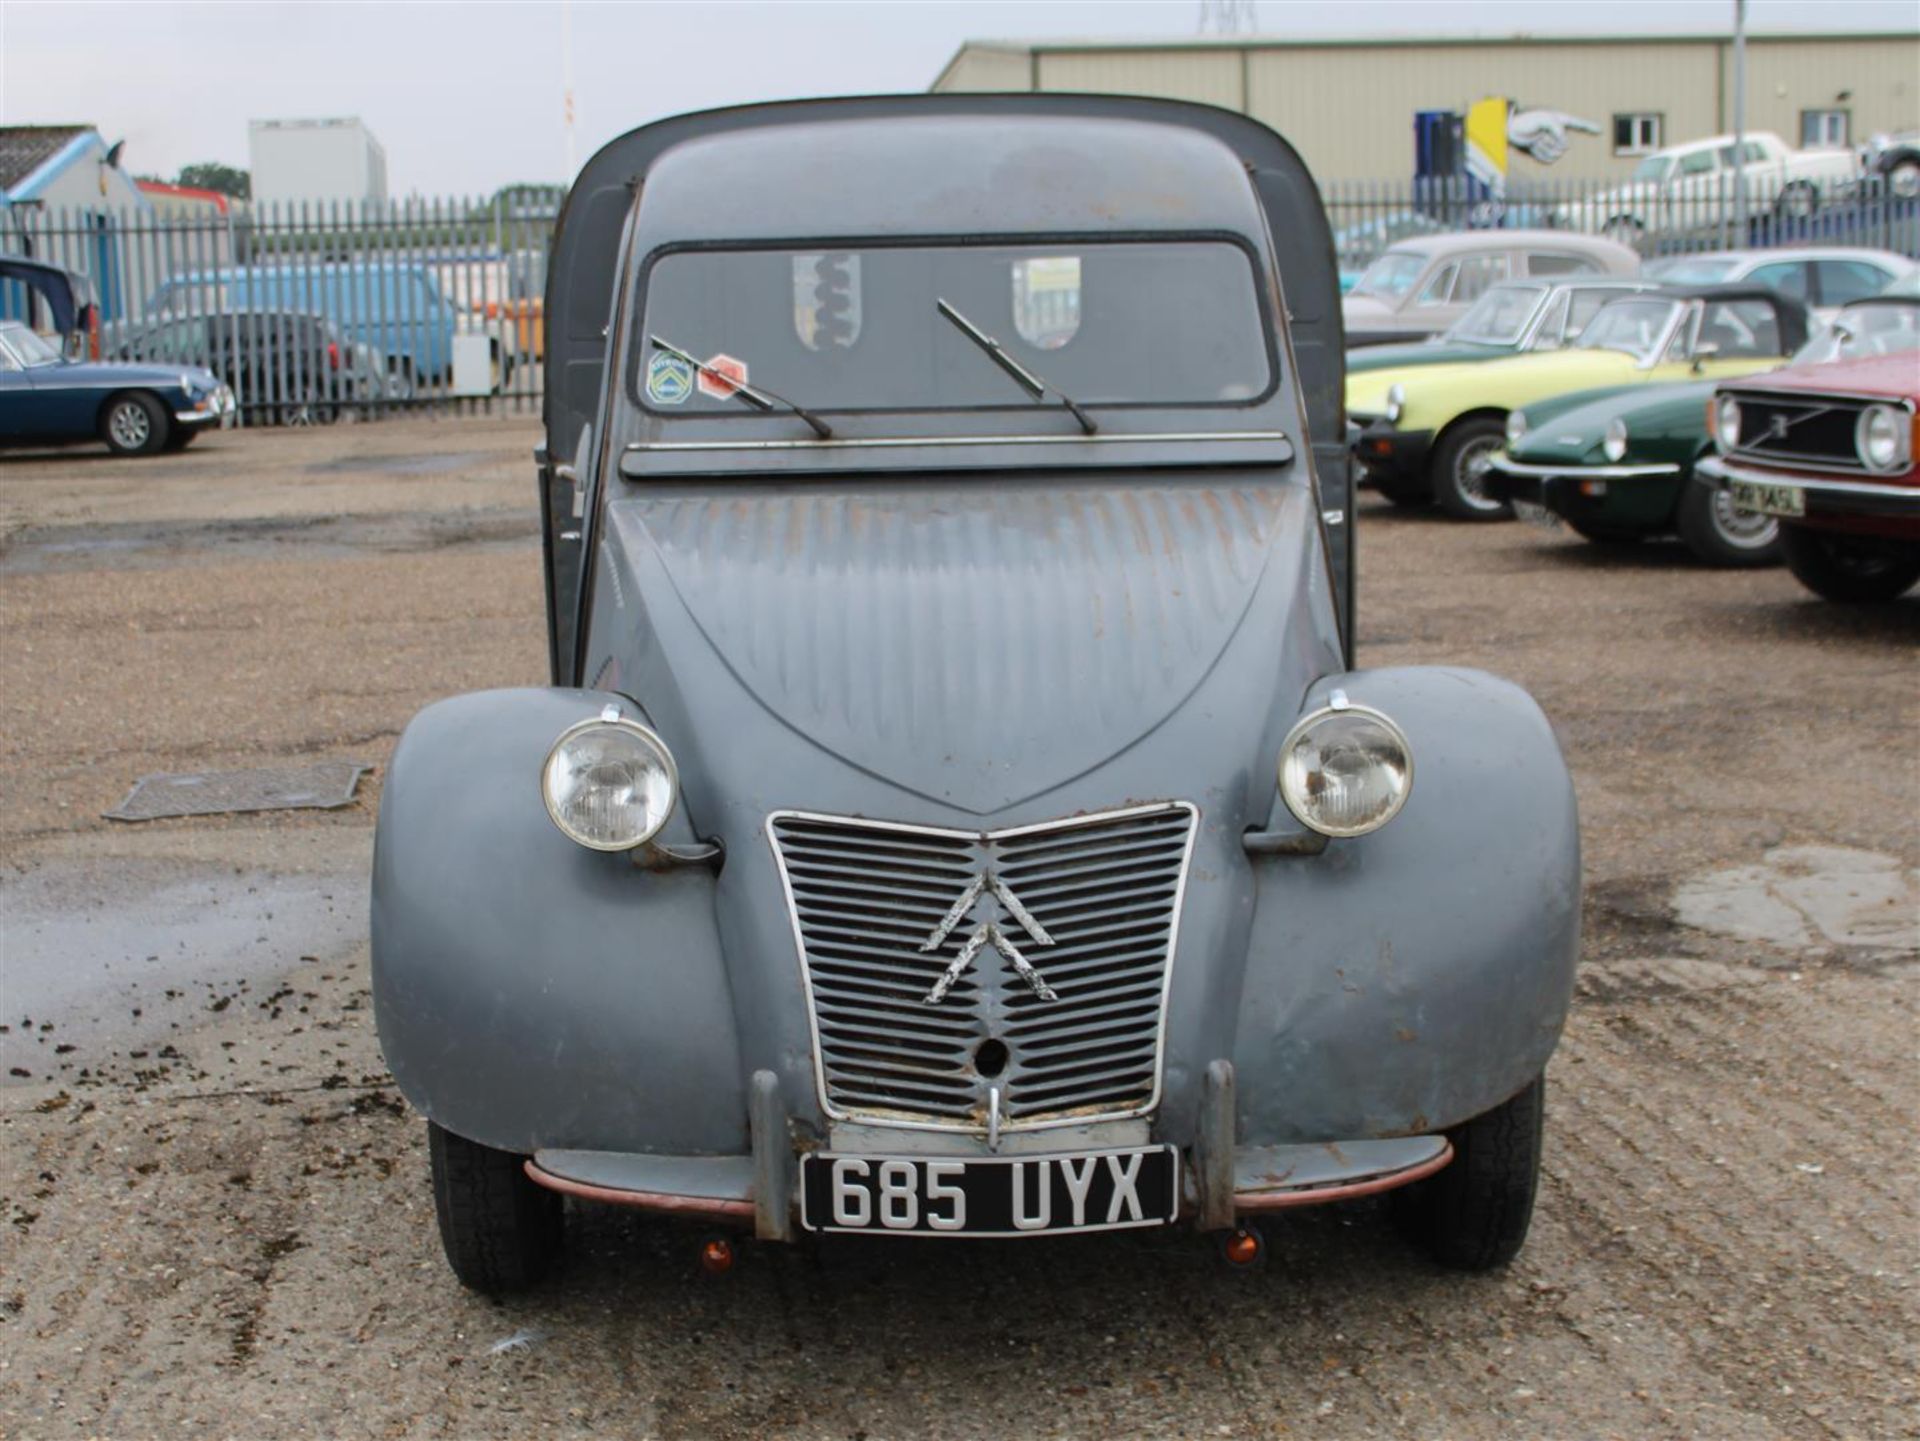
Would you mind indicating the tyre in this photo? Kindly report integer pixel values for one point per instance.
(1473, 1214)
(1458, 470)
(1720, 534)
(1604, 534)
(501, 1232)
(1903, 178)
(134, 424)
(400, 384)
(1797, 201)
(1850, 571)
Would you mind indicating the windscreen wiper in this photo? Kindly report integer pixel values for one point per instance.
(1024, 378)
(758, 397)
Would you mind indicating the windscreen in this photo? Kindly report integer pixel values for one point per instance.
(1864, 330)
(1122, 323)
(1634, 326)
(1392, 275)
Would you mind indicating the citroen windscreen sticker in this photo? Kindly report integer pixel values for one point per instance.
(669, 379)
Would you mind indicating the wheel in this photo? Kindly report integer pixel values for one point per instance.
(1797, 201)
(1459, 469)
(1720, 534)
(134, 424)
(1623, 230)
(1850, 571)
(501, 1232)
(1903, 178)
(1604, 534)
(1473, 1214)
(400, 384)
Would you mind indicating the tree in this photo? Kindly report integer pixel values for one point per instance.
(212, 175)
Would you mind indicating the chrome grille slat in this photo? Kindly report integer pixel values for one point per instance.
(1103, 890)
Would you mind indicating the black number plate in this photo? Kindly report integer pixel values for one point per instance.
(990, 1195)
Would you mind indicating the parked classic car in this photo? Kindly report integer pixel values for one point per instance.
(286, 366)
(1511, 318)
(1822, 278)
(47, 398)
(1428, 433)
(1695, 183)
(1420, 287)
(1828, 449)
(1618, 465)
(955, 811)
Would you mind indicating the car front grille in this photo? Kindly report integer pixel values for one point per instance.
(1091, 904)
(1813, 431)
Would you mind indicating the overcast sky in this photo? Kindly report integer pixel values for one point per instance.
(467, 96)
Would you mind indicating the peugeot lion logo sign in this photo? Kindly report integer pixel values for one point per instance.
(988, 933)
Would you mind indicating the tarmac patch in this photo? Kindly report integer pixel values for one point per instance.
(1807, 896)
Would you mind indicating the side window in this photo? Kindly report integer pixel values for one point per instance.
(827, 300)
(1789, 277)
(1584, 306)
(1436, 290)
(1553, 324)
(1547, 264)
(1740, 328)
(1046, 300)
(1477, 272)
(1700, 162)
(1844, 281)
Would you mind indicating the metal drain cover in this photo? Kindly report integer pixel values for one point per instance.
(326, 786)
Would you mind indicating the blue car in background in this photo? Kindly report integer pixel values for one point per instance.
(397, 308)
(47, 398)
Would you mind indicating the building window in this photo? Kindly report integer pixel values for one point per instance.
(1826, 127)
(1636, 134)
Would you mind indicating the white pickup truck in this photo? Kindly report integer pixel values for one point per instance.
(1695, 184)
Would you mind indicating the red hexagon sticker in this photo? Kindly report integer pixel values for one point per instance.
(722, 375)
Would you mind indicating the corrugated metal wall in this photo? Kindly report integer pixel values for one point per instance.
(1350, 107)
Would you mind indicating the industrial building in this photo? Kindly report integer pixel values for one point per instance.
(316, 160)
(1349, 105)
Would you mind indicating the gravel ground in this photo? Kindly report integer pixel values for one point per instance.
(216, 1214)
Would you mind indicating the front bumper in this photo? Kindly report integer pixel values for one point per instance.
(1389, 454)
(1826, 497)
(217, 409)
(1220, 1181)
(1573, 491)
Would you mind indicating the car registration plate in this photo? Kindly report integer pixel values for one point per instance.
(1768, 499)
(990, 1195)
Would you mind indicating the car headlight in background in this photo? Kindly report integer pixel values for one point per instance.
(1883, 436)
(1345, 769)
(609, 783)
(1613, 445)
(1516, 427)
(1396, 402)
(1726, 422)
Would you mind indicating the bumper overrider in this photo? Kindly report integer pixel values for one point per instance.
(1815, 497)
(1388, 453)
(1566, 489)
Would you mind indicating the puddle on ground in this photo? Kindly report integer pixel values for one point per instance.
(436, 463)
(94, 948)
(1802, 897)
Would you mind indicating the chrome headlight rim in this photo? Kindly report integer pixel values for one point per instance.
(1900, 426)
(1339, 705)
(1396, 403)
(611, 719)
(1726, 422)
(1613, 440)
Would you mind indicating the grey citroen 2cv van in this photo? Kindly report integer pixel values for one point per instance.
(956, 810)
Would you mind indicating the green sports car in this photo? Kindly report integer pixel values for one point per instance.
(1616, 464)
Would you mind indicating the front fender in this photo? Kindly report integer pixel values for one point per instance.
(1404, 981)
(531, 993)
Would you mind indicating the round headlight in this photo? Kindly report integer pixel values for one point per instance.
(1345, 770)
(1880, 435)
(1516, 427)
(1726, 422)
(1613, 444)
(609, 783)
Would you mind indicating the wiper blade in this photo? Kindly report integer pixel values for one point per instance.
(1024, 378)
(759, 397)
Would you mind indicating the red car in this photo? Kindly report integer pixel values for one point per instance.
(1830, 448)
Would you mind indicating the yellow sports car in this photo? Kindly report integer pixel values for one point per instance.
(1426, 433)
